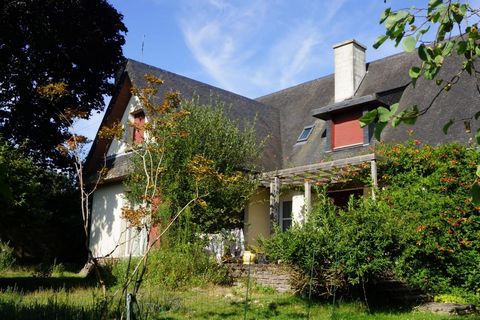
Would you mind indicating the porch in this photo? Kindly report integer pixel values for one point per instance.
(270, 207)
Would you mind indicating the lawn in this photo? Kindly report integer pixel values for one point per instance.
(213, 302)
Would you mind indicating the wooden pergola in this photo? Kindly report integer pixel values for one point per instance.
(315, 174)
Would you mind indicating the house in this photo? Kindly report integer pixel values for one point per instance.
(313, 134)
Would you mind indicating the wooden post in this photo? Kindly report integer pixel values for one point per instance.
(308, 199)
(274, 202)
(373, 171)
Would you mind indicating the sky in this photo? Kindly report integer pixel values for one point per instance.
(250, 47)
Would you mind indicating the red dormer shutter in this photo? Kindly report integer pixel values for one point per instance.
(346, 130)
(138, 123)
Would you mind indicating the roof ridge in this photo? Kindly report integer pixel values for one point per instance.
(390, 57)
(295, 86)
(196, 81)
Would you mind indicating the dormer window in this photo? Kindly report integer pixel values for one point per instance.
(138, 124)
(342, 122)
(305, 134)
(346, 130)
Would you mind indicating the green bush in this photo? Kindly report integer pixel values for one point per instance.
(342, 246)
(432, 186)
(7, 256)
(423, 226)
(40, 210)
(177, 266)
(458, 295)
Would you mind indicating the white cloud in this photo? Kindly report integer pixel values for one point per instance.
(332, 9)
(218, 35)
(291, 55)
(256, 47)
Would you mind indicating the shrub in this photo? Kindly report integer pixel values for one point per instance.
(340, 247)
(432, 186)
(423, 226)
(7, 257)
(183, 265)
(176, 266)
(58, 269)
(457, 295)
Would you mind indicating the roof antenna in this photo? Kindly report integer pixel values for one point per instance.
(143, 44)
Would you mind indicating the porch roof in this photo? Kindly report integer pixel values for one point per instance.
(319, 173)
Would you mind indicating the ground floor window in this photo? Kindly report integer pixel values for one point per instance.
(340, 197)
(286, 215)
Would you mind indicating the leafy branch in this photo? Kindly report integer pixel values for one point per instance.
(456, 33)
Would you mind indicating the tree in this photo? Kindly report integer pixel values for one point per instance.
(442, 29)
(207, 131)
(40, 215)
(72, 43)
(192, 151)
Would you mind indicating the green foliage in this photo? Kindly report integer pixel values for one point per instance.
(77, 43)
(401, 27)
(231, 154)
(415, 26)
(40, 215)
(179, 266)
(343, 246)
(212, 134)
(431, 185)
(58, 269)
(458, 295)
(7, 257)
(423, 226)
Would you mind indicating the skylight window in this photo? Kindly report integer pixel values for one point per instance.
(305, 134)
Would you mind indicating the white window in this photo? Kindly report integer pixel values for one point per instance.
(285, 215)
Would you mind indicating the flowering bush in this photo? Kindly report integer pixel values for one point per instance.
(423, 226)
(431, 185)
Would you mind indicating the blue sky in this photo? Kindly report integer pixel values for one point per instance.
(250, 47)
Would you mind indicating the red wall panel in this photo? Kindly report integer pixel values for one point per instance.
(346, 130)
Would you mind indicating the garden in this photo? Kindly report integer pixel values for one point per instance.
(422, 229)
(182, 283)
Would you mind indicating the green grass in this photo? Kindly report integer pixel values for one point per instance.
(25, 273)
(26, 295)
(212, 302)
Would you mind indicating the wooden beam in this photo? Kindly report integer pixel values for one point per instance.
(274, 202)
(307, 199)
(318, 173)
(373, 172)
(325, 166)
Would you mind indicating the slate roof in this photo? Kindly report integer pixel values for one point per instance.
(282, 115)
(386, 80)
(237, 107)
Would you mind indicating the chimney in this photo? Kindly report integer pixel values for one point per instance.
(350, 68)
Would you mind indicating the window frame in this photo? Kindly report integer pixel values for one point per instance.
(135, 115)
(281, 215)
(310, 128)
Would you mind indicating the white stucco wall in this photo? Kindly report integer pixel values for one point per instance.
(298, 203)
(107, 226)
(118, 147)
